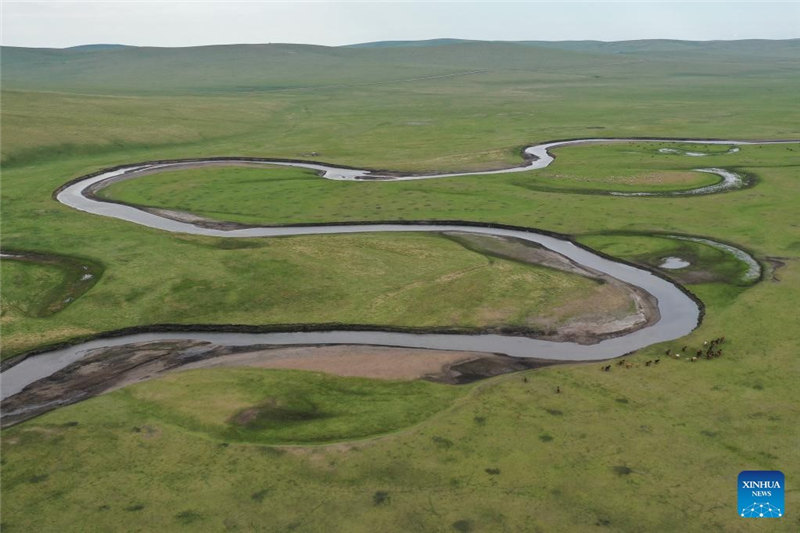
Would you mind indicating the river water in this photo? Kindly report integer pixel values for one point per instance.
(679, 313)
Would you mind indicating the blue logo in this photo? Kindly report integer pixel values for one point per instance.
(761, 494)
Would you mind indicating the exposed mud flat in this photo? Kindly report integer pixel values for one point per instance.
(196, 220)
(775, 264)
(592, 321)
(101, 370)
(379, 362)
(107, 369)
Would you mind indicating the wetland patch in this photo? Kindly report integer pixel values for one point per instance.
(68, 279)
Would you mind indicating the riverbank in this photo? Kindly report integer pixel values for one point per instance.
(104, 370)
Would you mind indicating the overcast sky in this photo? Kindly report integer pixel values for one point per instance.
(61, 24)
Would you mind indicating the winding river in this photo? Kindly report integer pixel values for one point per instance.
(679, 314)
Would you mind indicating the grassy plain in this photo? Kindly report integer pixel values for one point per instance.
(27, 288)
(647, 448)
(274, 195)
(248, 405)
(409, 280)
(40, 285)
(58, 103)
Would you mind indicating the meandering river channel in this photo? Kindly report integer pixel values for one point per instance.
(679, 313)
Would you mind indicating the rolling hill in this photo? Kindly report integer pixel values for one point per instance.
(113, 69)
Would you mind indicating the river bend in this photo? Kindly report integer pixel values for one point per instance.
(679, 314)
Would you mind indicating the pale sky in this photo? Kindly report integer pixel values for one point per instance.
(61, 24)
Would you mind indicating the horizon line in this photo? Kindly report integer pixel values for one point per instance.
(363, 43)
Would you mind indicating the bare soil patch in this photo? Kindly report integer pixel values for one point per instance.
(775, 264)
(616, 309)
(378, 362)
(108, 369)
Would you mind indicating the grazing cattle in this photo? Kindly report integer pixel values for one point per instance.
(648, 363)
(524, 380)
(606, 368)
(628, 365)
(694, 359)
(558, 390)
(656, 361)
(667, 352)
(621, 362)
(683, 349)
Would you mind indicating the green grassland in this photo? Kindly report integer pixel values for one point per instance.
(707, 264)
(409, 280)
(149, 103)
(250, 406)
(616, 449)
(27, 288)
(38, 286)
(645, 448)
(273, 195)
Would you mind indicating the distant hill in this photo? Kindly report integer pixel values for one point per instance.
(98, 47)
(119, 69)
(789, 48)
(399, 44)
(260, 67)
